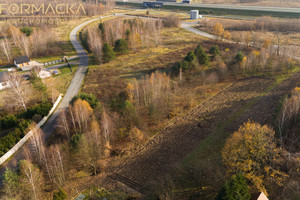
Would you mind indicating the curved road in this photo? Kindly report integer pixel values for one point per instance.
(73, 89)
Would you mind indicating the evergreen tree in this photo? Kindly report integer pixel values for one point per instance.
(26, 30)
(214, 50)
(108, 53)
(189, 61)
(239, 57)
(235, 189)
(190, 57)
(60, 195)
(202, 57)
(101, 27)
(121, 46)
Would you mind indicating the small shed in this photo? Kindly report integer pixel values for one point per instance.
(194, 14)
(21, 61)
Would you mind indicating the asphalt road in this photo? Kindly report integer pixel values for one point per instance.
(73, 89)
(76, 82)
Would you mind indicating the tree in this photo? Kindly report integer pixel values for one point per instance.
(26, 30)
(201, 55)
(218, 30)
(248, 38)
(56, 165)
(227, 35)
(101, 28)
(214, 50)
(189, 61)
(190, 57)
(11, 183)
(80, 114)
(19, 92)
(121, 46)
(94, 42)
(60, 195)
(107, 128)
(252, 152)
(6, 48)
(31, 179)
(235, 188)
(108, 53)
(91, 148)
(239, 57)
(90, 98)
(39, 151)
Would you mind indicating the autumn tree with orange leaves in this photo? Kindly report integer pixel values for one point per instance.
(252, 152)
(218, 30)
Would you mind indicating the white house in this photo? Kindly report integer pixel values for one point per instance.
(3, 83)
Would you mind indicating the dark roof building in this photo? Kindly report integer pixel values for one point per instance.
(21, 60)
(152, 4)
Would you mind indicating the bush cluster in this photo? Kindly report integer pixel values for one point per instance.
(90, 98)
(19, 123)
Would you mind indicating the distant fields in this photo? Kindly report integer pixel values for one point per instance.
(222, 11)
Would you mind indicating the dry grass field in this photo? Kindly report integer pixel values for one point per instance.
(240, 29)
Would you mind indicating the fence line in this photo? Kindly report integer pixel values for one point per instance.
(17, 146)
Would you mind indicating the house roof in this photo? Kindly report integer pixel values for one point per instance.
(259, 196)
(21, 59)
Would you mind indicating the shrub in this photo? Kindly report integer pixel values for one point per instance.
(239, 57)
(8, 121)
(27, 30)
(108, 53)
(121, 46)
(40, 109)
(60, 195)
(214, 50)
(90, 98)
(235, 188)
(171, 21)
(202, 57)
(75, 139)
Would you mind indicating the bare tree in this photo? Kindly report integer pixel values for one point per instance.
(64, 125)
(19, 92)
(91, 149)
(6, 48)
(32, 180)
(39, 151)
(80, 113)
(57, 166)
(107, 128)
